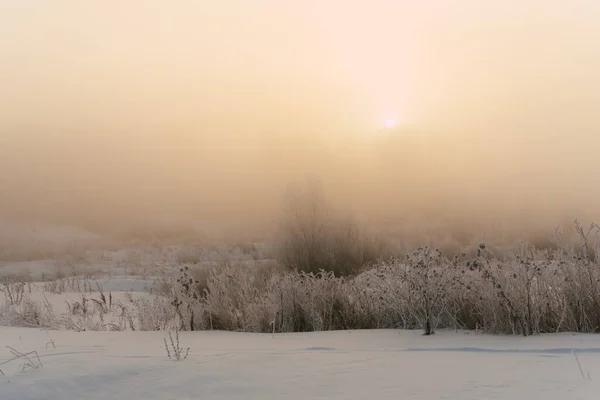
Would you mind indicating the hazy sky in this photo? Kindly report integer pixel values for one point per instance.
(210, 108)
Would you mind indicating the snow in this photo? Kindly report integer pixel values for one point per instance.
(383, 364)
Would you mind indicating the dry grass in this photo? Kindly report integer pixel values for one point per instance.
(528, 291)
(524, 291)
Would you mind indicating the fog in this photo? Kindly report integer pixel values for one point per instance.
(115, 113)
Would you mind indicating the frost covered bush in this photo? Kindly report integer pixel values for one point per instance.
(232, 299)
(241, 299)
(425, 277)
(512, 295)
(528, 291)
(155, 314)
(27, 314)
(13, 291)
(534, 291)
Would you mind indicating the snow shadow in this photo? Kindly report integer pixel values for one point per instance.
(556, 351)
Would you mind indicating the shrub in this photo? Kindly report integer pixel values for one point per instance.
(527, 292)
(27, 314)
(426, 277)
(314, 239)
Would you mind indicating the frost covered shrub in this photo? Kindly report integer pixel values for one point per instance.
(28, 314)
(511, 293)
(528, 291)
(154, 314)
(232, 298)
(377, 295)
(285, 302)
(13, 290)
(533, 291)
(306, 301)
(238, 298)
(426, 276)
(424, 290)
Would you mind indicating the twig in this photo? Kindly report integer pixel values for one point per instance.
(579, 365)
(178, 351)
(30, 362)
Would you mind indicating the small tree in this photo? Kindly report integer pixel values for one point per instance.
(314, 239)
(305, 229)
(426, 275)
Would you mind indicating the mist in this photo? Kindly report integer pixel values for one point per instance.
(118, 113)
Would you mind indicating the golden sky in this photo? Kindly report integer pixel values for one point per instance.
(210, 108)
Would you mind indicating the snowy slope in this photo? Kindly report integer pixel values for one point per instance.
(329, 365)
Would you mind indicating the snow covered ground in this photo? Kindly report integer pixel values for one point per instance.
(384, 364)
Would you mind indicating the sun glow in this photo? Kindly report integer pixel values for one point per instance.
(390, 123)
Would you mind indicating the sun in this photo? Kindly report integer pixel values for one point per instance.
(389, 123)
